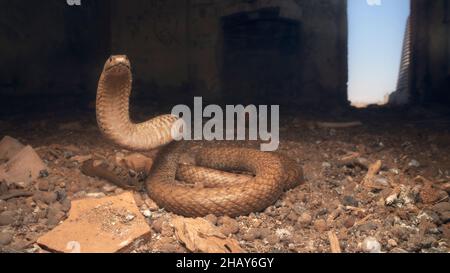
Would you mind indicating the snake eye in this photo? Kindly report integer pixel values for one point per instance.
(110, 59)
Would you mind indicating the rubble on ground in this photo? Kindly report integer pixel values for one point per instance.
(382, 186)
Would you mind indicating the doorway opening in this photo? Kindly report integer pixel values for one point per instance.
(260, 48)
(378, 49)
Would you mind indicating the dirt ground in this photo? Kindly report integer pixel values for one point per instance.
(403, 208)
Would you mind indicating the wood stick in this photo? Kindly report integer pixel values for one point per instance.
(338, 125)
(334, 242)
(15, 194)
(372, 172)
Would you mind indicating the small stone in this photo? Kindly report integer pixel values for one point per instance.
(119, 191)
(7, 218)
(212, 219)
(425, 242)
(368, 227)
(129, 217)
(264, 232)
(46, 197)
(443, 211)
(446, 231)
(381, 182)
(138, 199)
(251, 235)
(402, 233)
(445, 217)
(54, 214)
(441, 207)
(5, 238)
(21, 244)
(79, 195)
(321, 212)
(95, 195)
(169, 248)
(371, 245)
(157, 225)
(398, 250)
(229, 226)
(109, 188)
(292, 216)
(61, 195)
(349, 222)
(152, 206)
(320, 225)
(43, 185)
(392, 243)
(430, 195)
(273, 239)
(283, 234)
(326, 165)
(446, 187)
(167, 230)
(350, 201)
(147, 213)
(304, 220)
(392, 199)
(414, 164)
(66, 204)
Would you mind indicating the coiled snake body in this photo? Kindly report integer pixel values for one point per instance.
(224, 193)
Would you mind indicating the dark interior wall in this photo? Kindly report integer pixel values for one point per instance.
(154, 36)
(431, 51)
(49, 47)
(178, 47)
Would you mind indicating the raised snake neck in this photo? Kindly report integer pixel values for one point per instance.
(224, 193)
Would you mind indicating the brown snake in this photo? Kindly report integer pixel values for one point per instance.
(170, 184)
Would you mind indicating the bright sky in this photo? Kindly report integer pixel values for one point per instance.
(376, 31)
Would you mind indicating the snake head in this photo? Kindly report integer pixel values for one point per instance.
(117, 65)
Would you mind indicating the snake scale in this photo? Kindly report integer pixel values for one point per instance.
(170, 184)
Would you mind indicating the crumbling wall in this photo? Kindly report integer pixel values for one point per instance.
(431, 52)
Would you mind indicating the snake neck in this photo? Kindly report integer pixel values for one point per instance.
(113, 117)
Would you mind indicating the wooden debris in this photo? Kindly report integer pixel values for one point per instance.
(371, 173)
(353, 159)
(81, 158)
(334, 242)
(364, 220)
(339, 125)
(15, 194)
(200, 236)
(335, 214)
